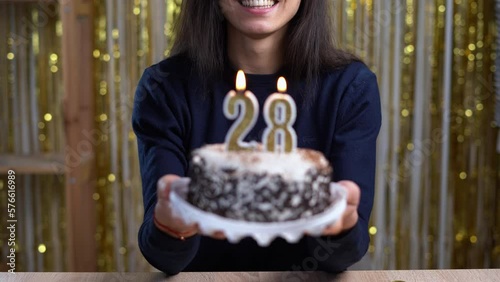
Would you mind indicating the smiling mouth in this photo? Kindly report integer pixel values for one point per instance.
(258, 4)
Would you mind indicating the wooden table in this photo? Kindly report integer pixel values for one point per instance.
(469, 275)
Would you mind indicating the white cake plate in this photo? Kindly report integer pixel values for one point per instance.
(263, 232)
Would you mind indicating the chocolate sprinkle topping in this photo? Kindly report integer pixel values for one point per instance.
(236, 193)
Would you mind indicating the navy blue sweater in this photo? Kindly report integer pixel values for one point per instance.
(173, 116)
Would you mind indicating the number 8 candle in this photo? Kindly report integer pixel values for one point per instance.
(280, 113)
(243, 106)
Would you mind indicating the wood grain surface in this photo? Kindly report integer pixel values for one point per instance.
(469, 275)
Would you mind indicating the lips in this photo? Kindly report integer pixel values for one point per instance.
(258, 4)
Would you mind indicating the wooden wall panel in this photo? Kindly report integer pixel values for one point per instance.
(79, 112)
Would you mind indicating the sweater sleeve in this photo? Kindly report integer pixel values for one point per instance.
(353, 158)
(160, 121)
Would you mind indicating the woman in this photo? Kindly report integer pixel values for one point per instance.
(178, 108)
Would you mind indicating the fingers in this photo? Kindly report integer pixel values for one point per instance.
(334, 229)
(350, 215)
(165, 220)
(346, 222)
(163, 186)
(353, 192)
(219, 235)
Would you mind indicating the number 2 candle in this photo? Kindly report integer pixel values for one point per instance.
(243, 106)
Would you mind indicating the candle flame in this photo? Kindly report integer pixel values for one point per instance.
(282, 84)
(241, 83)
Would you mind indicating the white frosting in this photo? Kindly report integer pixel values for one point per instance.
(291, 166)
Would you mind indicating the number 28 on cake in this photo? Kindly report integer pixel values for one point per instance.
(273, 181)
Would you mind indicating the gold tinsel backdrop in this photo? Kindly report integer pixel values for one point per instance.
(31, 124)
(438, 176)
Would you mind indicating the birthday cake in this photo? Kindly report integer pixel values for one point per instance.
(257, 185)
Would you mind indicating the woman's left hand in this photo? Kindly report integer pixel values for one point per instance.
(350, 216)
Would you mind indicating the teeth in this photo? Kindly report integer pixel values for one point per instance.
(262, 4)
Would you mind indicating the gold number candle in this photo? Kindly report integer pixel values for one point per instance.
(244, 107)
(280, 113)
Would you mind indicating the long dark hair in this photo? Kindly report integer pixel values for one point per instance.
(201, 35)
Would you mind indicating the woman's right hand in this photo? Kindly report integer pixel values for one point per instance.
(164, 219)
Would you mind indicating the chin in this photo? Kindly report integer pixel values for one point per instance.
(259, 30)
